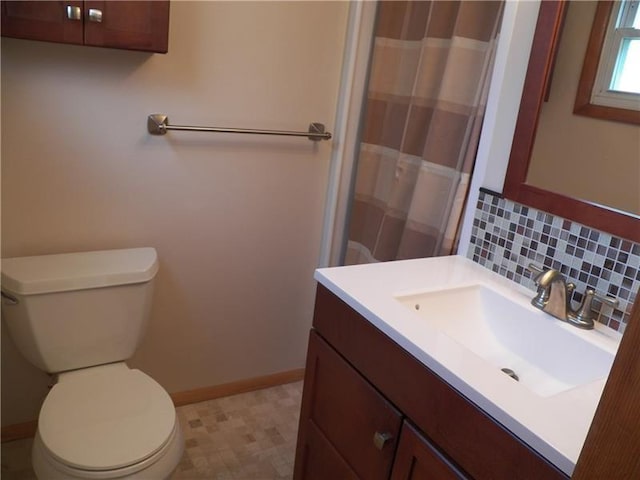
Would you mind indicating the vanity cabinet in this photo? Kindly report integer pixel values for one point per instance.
(372, 411)
(131, 25)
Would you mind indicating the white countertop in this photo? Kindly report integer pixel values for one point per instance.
(555, 426)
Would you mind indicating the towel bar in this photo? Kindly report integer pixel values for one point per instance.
(158, 124)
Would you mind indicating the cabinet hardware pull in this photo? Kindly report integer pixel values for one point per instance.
(95, 15)
(381, 439)
(74, 13)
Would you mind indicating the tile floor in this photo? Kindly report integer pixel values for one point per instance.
(250, 436)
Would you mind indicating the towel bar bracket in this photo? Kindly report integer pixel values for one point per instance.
(158, 124)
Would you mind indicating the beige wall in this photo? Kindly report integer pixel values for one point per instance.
(236, 220)
(584, 157)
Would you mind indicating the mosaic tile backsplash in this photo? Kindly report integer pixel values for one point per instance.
(507, 236)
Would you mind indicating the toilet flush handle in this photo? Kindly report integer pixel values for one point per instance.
(9, 299)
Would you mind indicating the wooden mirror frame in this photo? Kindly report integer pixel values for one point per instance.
(543, 51)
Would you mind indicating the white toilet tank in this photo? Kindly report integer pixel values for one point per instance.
(77, 310)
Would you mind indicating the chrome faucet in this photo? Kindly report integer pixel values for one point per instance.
(554, 297)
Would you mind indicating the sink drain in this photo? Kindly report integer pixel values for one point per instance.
(511, 373)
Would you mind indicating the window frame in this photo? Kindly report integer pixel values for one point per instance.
(614, 38)
(621, 106)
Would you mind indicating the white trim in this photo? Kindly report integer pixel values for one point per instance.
(629, 14)
(354, 71)
(516, 36)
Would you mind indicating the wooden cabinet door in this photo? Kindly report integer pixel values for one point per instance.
(137, 25)
(418, 459)
(45, 21)
(130, 25)
(343, 413)
(320, 460)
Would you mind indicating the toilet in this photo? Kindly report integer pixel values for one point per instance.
(80, 316)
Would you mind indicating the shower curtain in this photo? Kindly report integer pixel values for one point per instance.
(428, 83)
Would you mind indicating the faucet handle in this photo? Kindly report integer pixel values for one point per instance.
(607, 300)
(539, 272)
(583, 317)
(536, 270)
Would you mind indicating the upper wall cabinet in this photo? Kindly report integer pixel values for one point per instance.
(136, 25)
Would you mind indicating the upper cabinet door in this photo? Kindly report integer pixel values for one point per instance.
(46, 21)
(133, 25)
(128, 25)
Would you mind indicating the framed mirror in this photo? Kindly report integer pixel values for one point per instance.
(570, 166)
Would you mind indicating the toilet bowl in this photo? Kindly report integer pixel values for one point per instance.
(80, 316)
(128, 417)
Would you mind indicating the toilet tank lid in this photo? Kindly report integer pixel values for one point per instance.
(78, 271)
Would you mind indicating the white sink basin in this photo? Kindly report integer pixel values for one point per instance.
(539, 349)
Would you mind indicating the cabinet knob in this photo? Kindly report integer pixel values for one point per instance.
(74, 13)
(381, 439)
(95, 15)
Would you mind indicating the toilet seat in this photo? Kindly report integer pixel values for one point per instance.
(106, 418)
(158, 466)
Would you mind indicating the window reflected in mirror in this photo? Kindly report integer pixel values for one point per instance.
(609, 86)
(618, 78)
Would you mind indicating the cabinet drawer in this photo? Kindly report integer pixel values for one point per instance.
(348, 412)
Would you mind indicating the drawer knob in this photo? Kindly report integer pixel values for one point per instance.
(381, 439)
(74, 13)
(95, 15)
